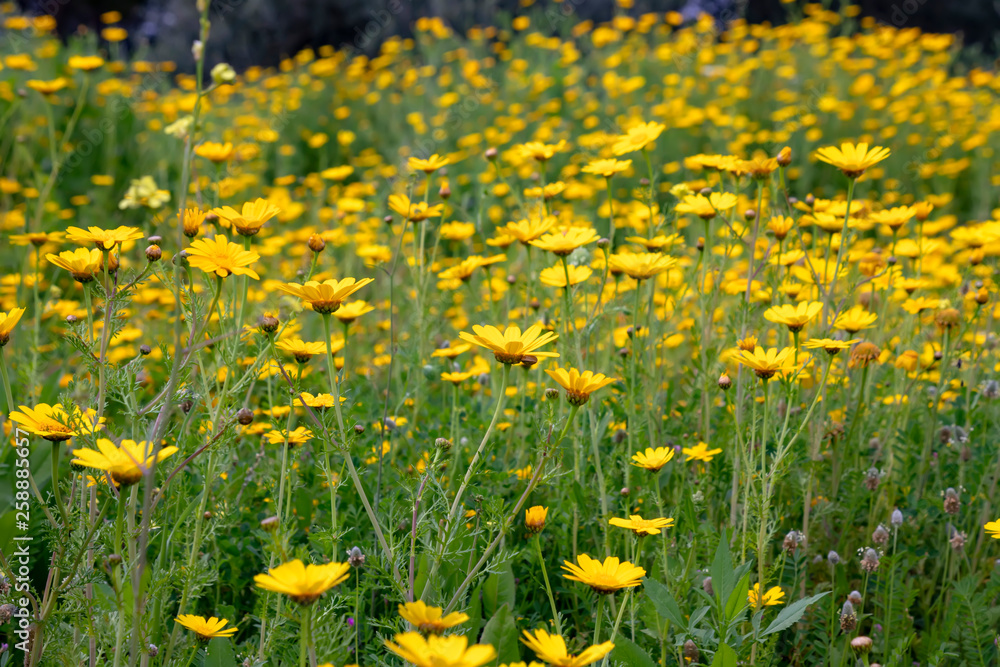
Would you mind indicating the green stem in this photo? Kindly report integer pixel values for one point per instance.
(548, 586)
(618, 622)
(6, 383)
(840, 254)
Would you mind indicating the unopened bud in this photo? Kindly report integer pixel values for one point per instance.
(244, 416)
(491, 153)
(316, 243)
(270, 524)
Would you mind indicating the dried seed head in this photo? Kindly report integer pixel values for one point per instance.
(957, 540)
(691, 651)
(854, 597)
(880, 536)
(833, 557)
(792, 541)
(897, 518)
(706, 585)
(848, 617)
(6, 612)
(869, 562)
(951, 502)
(244, 416)
(872, 478)
(355, 558)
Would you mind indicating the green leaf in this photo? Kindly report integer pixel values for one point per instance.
(499, 590)
(666, 605)
(220, 653)
(724, 657)
(738, 598)
(722, 573)
(791, 614)
(628, 653)
(501, 632)
(475, 612)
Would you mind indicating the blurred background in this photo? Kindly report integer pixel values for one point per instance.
(263, 32)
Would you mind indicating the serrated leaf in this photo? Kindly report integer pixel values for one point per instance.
(791, 614)
(501, 632)
(666, 605)
(626, 652)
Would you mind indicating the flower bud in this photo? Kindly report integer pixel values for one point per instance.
(244, 416)
(870, 561)
(725, 382)
(223, 73)
(316, 243)
(269, 323)
(848, 617)
(833, 557)
(444, 444)
(552, 393)
(861, 645)
(491, 153)
(691, 651)
(897, 518)
(355, 558)
(270, 524)
(144, 350)
(880, 536)
(951, 502)
(153, 253)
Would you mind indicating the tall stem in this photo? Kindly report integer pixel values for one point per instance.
(548, 586)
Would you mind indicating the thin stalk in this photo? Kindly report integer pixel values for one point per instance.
(548, 586)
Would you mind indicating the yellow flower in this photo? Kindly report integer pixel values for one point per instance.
(700, 452)
(467, 267)
(534, 518)
(301, 350)
(48, 87)
(451, 351)
(85, 63)
(81, 263)
(606, 577)
(794, 317)
(415, 211)
(511, 346)
(430, 165)
(780, 225)
(435, 651)
(637, 138)
(206, 628)
(36, 238)
(527, 231)
(566, 241)
(217, 255)
(348, 312)
(7, 323)
(829, 345)
(191, 221)
(855, 319)
(102, 238)
(640, 265)
(992, 529)
(126, 463)
(757, 168)
(852, 159)
(250, 218)
(143, 192)
(771, 597)
(327, 296)
(114, 34)
(657, 243)
(53, 423)
(214, 151)
(706, 207)
(894, 218)
(607, 168)
(640, 526)
(653, 459)
(319, 401)
(303, 583)
(579, 386)
(766, 364)
(299, 436)
(337, 173)
(555, 276)
(540, 151)
(429, 619)
(552, 650)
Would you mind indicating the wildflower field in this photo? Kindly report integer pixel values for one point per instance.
(642, 343)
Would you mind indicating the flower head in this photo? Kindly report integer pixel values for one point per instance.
(852, 159)
(414, 211)
(555, 276)
(794, 317)
(640, 265)
(214, 151)
(299, 436)
(552, 650)
(992, 529)
(303, 583)
(327, 296)
(436, 651)
(771, 597)
(540, 151)
(511, 346)
(219, 256)
(250, 218)
(126, 463)
(348, 312)
(7, 323)
(81, 263)
(653, 459)
(302, 351)
(564, 242)
(206, 628)
(855, 319)
(534, 518)
(607, 168)
(606, 577)
(637, 138)
(429, 619)
(53, 423)
(766, 364)
(579, 386)
(642, 527)
(430, 165)
(700, 452)
(706, 207)
(104, 239)
(831, 346)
